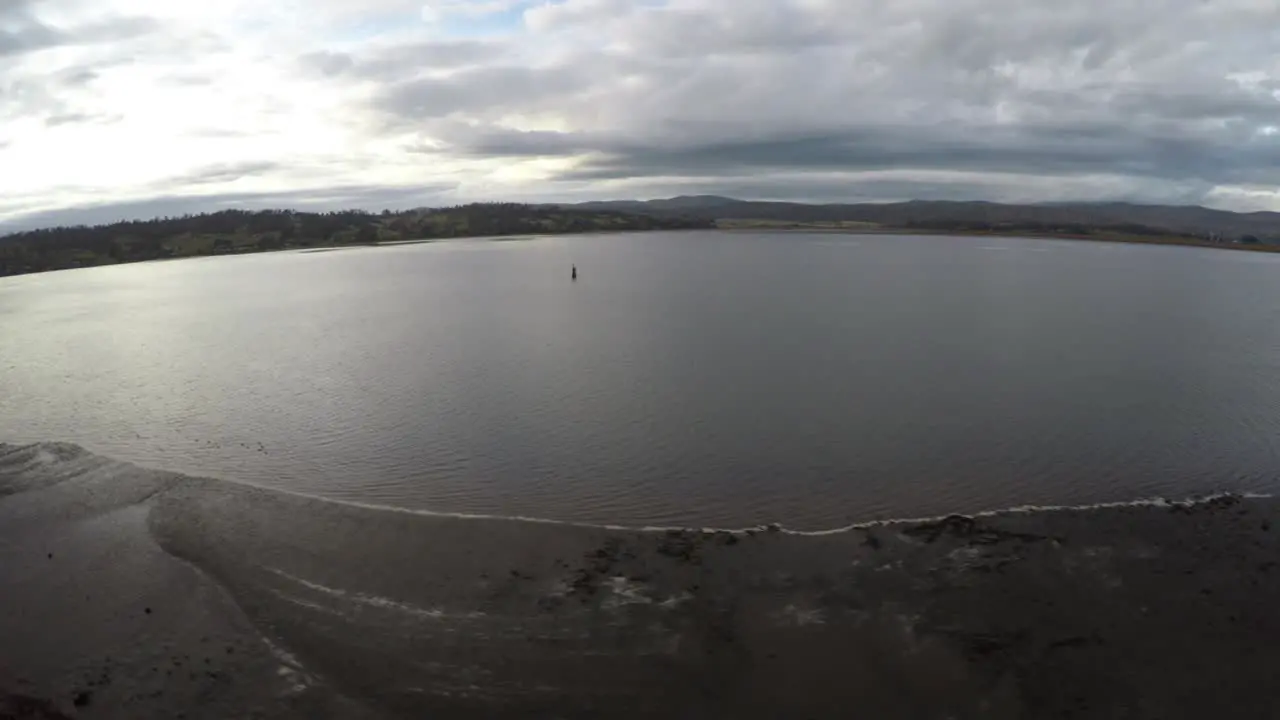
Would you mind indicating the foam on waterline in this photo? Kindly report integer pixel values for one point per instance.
(770, 527)
(1034, 509)
(778, 527)
(28, 467)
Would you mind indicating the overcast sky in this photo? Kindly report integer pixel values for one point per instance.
(113, 108)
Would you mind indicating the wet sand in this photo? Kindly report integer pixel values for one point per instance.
(130, 593)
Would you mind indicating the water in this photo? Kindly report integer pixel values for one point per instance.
(685, 378)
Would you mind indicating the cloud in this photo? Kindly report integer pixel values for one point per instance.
(74, 118)
(220, 173)
(1027, 100)
(369, 198)
(402, 60)
(22, 31)
(479, 92)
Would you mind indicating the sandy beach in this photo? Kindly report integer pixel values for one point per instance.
(133, 593)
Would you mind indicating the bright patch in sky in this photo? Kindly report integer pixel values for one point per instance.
(156, 104)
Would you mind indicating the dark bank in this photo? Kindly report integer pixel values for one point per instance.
(134, 593)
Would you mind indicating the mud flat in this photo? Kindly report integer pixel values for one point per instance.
(133, 593)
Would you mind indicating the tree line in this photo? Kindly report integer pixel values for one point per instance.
(237, 231)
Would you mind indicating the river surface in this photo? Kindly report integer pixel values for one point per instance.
(696, 378)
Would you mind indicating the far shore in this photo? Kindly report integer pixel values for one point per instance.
(867, 229)
(725, 226)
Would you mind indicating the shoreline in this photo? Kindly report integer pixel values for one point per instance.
(131, 584)
(307, 249)
(729, 229)
(1125, 240)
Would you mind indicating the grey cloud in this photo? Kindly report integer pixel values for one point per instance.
(66, 119)
(220, 173)
(1199, 103)
(1053, 151)
(77, 77)
(852, 188)
(1050, 149)
(403, 61)
(431, 55)
(327, 63)
(60, 97)
(817, 99)
(359, 197)
(112, 30)
(83, 75)
(755, 27)
(187, 80)
(497, 142)
(27, 40)
(80, 118)
(23, 97)
(478, 91)
(23, 31)
(717, 91)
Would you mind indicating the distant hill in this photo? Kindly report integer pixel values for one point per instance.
(1077, 218)
(240, 231)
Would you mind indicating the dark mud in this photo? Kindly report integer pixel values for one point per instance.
(272, 605)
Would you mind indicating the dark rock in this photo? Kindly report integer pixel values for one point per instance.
(23, 707)
(1222, 502)
(965, 527)
(82, 699)
(147, 610)
(679, 544)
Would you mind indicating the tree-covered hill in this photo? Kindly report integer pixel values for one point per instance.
(238, 231)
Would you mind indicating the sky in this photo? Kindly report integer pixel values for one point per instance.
(137, 108)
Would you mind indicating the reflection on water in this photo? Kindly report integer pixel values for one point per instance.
(685, 378)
